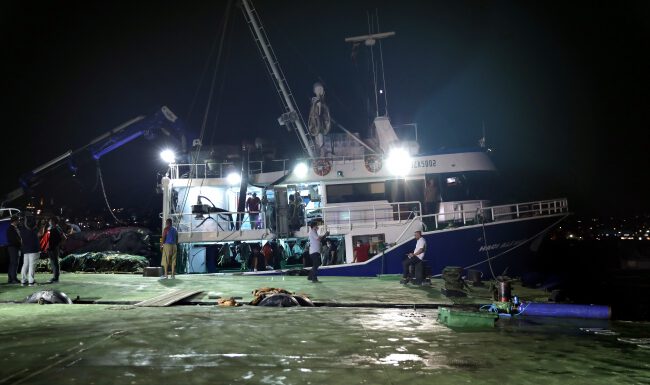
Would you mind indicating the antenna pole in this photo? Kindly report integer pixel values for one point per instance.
(370, 40)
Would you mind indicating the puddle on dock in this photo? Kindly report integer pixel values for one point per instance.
(206, 344)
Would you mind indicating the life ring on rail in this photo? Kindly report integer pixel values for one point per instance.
(373, 163)
(322, 167)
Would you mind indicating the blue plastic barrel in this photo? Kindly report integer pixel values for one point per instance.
(565, 310)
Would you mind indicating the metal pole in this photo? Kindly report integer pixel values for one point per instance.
(276, 74)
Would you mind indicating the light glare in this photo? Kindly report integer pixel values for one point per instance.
(168, 156)
(234, 178)
(300, 170)
(399, 162)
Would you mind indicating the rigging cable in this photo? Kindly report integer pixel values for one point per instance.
(195, 157)
(487, 249)
(374, 71)
(383, 73)
(101, 181)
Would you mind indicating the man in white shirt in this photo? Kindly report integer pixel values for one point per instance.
(314, 251)
(415, 258)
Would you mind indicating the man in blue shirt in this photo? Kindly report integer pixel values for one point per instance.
(170, 239)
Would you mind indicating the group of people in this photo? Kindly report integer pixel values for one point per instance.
(29, 240)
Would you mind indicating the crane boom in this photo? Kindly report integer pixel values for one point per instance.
(291, 116)
(162, 120)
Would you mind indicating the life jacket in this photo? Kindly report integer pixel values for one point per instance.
(45, 241)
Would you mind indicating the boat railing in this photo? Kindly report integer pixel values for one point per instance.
(6, 213)
(528, 209)
(221, 170)
(369, 214)
(227, 221)
(481, 214)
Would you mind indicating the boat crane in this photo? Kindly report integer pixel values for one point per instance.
(162, 121)
(291, 117)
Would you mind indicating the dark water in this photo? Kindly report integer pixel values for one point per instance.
(608, 272)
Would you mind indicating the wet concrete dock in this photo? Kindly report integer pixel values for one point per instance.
(365, 340)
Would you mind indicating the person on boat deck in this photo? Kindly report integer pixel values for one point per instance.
(256, 257)
(430, 195)
(279, 257)
(325, 253)
(415, 258)
(170, 239)
(361, 252)
(314, 250)
(267, 250)
(253, 207)
(296, 249)
(331, 257)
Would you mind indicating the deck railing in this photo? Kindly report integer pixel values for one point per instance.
(495, 213)
(218, 222)
(375, 215)
(221, 170)
(364, 214)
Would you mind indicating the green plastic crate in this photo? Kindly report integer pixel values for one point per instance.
(466, 319)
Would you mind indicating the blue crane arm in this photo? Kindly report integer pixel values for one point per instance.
(163, 121)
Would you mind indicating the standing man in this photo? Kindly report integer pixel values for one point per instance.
(170, 239)
(15, 243)
(314, 251)
(361, 252)
(415, 258)
(54, 247)
(31, 251)
(253, 207)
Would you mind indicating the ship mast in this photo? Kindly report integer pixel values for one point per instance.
(291, 117)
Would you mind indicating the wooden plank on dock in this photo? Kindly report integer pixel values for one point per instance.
(169, 298)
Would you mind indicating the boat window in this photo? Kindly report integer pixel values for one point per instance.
(355, 192)
(400, 190)
(375, 243)
(467, 186)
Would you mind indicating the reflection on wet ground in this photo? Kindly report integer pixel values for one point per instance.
(96, 344)
(385, 333)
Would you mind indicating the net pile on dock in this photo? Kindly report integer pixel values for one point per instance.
(129, 240)
(99, 262)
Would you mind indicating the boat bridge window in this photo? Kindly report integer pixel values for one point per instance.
(355, 192)
(400, 190)
(467, 186)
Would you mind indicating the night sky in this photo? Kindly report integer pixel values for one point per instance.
(562, 89)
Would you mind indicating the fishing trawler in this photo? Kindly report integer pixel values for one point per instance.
(377, 191)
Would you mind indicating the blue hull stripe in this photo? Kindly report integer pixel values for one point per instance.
(509, 245)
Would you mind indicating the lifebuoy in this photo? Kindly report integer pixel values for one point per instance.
(322, 167)
(373, 163)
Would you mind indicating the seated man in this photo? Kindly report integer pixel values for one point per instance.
(415, 258)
